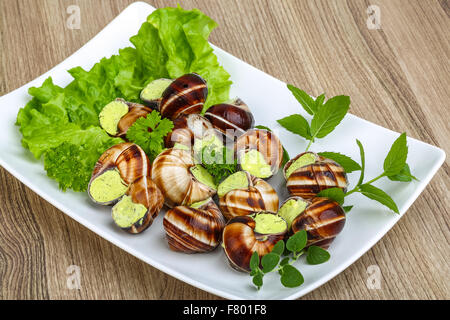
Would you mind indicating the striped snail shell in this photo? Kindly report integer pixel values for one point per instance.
(241, 239)
(135, 112)
(323, 219)
(308, 180)
(117, 168)
(185, 95)
(257, 195)
(119, 115)
(194, 230)
(144, 192)
(262, 149)
(231, 119)
(172, 172)
(187, 128)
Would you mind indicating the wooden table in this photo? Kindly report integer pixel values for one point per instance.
(397, 77)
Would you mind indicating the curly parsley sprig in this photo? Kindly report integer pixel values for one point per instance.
(149, 133)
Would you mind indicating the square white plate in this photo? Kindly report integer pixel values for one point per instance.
(269, 100)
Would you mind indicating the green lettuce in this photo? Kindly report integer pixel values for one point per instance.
(61, 124)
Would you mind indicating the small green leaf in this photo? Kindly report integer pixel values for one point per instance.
(347, 208)
(269, 262)
(296, 124)
(317, 255)
(363, 161)
(319, 101)
(278, 248)
(258, 280)
(305, 99)
(291, 277)
(297, 241)
(396, 159)
(346, 162)
(404, 175)
(335, 194)
(254, 261)
(284, 261)
(379, 195)
(329, 116)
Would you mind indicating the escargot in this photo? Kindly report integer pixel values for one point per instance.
(140, 205)
(308, 173)
(194, 229)
(119, 115)
(259, 152)
(181, 181)
(187, 129)
(121, 176)
(151, 95)
(244, 235)
(322, 218)
(184, 95)
(242, 194)
(231, 119)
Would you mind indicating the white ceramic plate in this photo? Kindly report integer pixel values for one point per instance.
(269, 100)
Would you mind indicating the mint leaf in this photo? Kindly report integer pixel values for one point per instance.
(317, 255)
(254, 261)
(284, 261)
(346, 162)
(305, 99)
(335, 194)
(404, 175)
(295, 123)
(319, 101)
(363, 162)
(396, 159)
(278, 248)
(329, 116)
(258, 280)
(379, 195)
(269, 262)
(347, 208)
(291, 277)
(297, 241)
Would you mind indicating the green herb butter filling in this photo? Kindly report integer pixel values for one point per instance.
(126, 213)
(291, 209)
(202, 175)
(237, 180)
(110, 116)
(209, 141)
(253, 161)
(304, 160)
(267, 223)
(200, 203)
(155, 89)
(107, 187)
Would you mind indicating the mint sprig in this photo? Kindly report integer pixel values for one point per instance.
(326, 116)
(294, 247)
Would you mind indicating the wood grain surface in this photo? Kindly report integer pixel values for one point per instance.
(398, 76)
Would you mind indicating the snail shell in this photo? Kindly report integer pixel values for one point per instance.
(144, 191)
(231, 119)
(240, 241)
(309, 180)
(171, 173)
(194, 230)
(128, 159)
(266, 143)
(259, 196)
(187, 128)
(135, 112)
(185, 95)
(323, 219)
